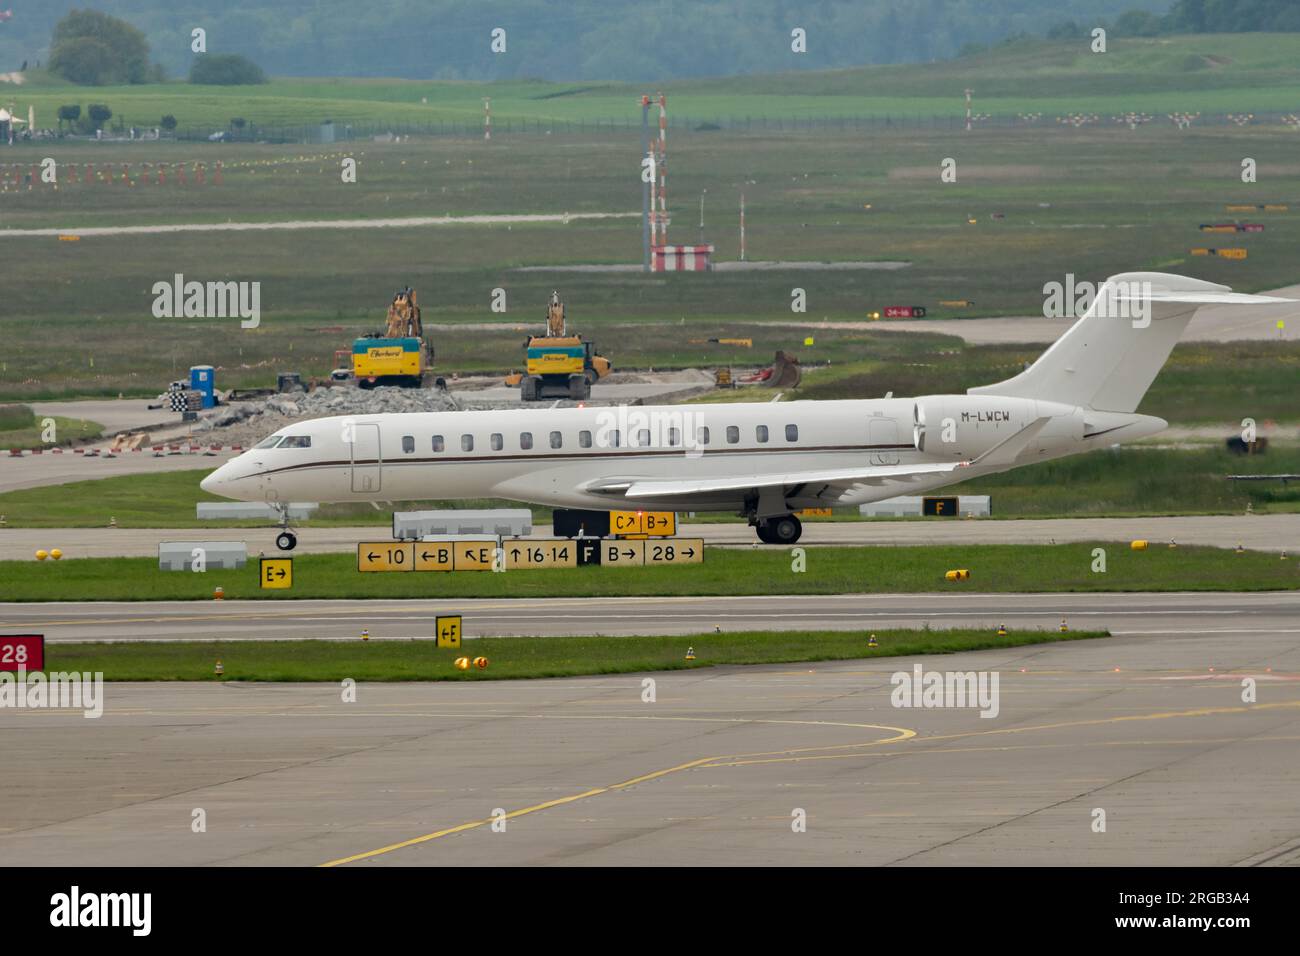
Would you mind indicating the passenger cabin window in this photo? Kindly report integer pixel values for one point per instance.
(702, 435)
(525, 440)
(296, 441)
(791, 432)
(760, 432)
(643, 437)
(584, 439)
(439, 444)
(497, 441)
(408, 444)
(557, 440)
(615, 438)
(674, 437)
(269, 442)
(466, 442)
(733, 434)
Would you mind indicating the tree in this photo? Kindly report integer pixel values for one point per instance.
(85, 61)
(1068, 30)
(225, 69)
(94, 49)
(168, 122)
(69, 113)
(99, 114)
(1137, 23)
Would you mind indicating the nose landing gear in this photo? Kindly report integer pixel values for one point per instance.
(286, 540)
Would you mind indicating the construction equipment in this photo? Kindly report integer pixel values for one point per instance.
(560, 365)
(397, 356)
(128, 441)
(784, 372)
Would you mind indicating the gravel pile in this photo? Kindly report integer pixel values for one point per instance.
(248, 422)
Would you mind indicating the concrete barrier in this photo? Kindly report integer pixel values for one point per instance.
(251, 510)
(216, 555)
(423, 525)
(981, 506)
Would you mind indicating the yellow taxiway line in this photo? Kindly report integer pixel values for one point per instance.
(796, 755)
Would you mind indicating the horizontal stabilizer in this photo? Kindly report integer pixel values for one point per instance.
(1009, 449)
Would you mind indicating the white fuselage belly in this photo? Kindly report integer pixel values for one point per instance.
(575, 451)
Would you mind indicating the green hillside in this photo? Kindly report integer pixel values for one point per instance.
(1212, 73)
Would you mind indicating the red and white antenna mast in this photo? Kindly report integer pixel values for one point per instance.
(742, 227)
(661, 163)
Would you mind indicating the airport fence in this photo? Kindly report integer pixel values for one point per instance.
(504, 125)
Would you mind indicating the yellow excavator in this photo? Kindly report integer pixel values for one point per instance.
(399, 355)
(559, 365)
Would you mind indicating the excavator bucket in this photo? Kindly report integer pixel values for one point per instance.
(404, 317)
(555, 317)
(786, 372)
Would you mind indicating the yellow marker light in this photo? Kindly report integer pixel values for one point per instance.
(55, 553)
(1139, 545)
(42, 554)
(462, 663)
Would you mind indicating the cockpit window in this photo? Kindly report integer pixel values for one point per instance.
(296, 441)
(269, 442)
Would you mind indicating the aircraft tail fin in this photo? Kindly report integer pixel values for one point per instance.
(1108, 359)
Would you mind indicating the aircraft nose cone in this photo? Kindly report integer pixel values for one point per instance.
(212, 483)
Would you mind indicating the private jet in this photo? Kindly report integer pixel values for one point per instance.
(764, 461)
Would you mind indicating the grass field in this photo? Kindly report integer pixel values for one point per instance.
(1202, 383)
(20, 428)
(1197, 73)
(1089, 202)
(167, 500)
(994, 568)
(510, 658)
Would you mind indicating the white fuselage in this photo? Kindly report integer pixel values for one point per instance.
(582, 457)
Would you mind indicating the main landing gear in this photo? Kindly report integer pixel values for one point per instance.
(784, 529)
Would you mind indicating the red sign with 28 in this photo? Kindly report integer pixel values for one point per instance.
(22, 652)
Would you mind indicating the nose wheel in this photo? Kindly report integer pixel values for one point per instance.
(286, 541)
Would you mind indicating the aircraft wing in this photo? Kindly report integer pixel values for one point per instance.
(830, 483)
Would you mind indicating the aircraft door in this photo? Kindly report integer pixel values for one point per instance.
(367, 463)
(882, 436)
